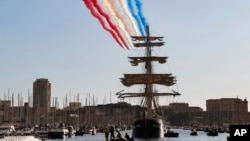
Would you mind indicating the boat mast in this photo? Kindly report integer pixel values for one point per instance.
(148, 67)
(148, 78)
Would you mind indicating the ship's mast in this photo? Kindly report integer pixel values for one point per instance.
(148, 78)
(148, 67)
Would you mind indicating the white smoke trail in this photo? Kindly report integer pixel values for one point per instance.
(108, 5)
(129, 16)
(119, 16)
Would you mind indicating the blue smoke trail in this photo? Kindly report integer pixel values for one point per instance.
(137, 18)
(138, 4)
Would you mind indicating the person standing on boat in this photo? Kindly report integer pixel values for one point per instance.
(112, 132)
(106, 131)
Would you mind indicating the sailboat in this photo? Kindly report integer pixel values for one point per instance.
(148, 122)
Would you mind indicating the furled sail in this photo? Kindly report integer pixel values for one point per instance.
(161, 79)
(136, 60)
(157, 44)
(143, 38)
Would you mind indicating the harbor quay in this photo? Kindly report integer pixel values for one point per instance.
(220, 112)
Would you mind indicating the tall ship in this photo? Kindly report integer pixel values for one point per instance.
(148, 121)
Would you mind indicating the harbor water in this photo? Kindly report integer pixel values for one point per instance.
(184, 135)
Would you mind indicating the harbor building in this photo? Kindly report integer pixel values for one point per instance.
(179, 107)
(41, 100)
(113, 113)
(227, 111)
(4, 108)
(181, 114)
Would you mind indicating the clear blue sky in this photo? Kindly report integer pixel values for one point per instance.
(207, 42)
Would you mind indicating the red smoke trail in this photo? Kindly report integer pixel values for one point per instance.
(89, 5)
(99, 9)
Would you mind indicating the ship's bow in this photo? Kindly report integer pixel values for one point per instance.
(148, 128)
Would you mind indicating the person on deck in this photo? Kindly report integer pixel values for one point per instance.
(106, 131)
(112, 132)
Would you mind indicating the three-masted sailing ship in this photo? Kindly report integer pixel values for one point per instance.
(148, 122)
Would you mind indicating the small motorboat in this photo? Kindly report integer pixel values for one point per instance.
(194, 133)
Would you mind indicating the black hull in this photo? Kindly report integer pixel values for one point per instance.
(194, 133)
(57, 135)
(148, 128)
(212, 133)
(80, 132)
(171, 134)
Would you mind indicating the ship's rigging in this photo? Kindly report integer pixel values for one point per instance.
(148, 78)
